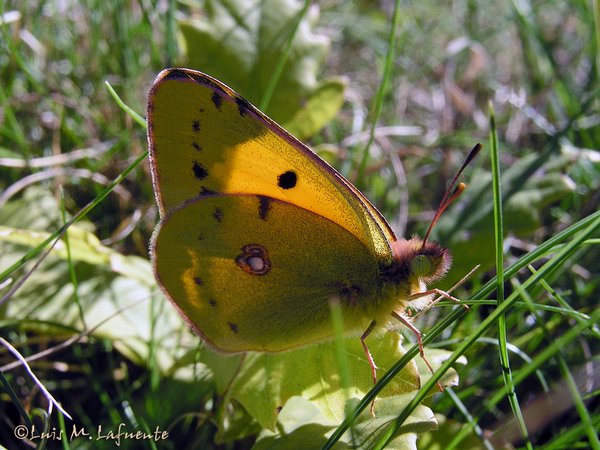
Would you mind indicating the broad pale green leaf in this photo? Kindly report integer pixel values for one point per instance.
(301, 425)
(117, 293)
(266, 381)
(436, 358)
(241, 42)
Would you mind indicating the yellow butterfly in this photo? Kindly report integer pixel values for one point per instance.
(257, 234)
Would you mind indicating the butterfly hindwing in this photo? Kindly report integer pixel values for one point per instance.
(255, 273)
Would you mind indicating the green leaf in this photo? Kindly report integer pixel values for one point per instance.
(301, 425)
(241, 42)
(117, 293)
(266, 381)
(436, 358)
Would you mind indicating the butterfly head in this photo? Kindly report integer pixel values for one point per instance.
(420, 261)
(417, 262)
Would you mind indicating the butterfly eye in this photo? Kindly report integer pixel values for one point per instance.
(421, 265)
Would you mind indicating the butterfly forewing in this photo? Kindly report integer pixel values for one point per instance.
(204, 139)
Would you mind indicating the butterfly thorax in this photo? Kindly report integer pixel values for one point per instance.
(413, 268)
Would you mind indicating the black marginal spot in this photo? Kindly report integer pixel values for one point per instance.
(201, 237)
(218, 215)
(233, 327)
(214, 85)
(177, 74)
(264, 205)
(217, 100)
(243, 105)
(196, 126)
(200, 173)
(287, 180)
(198, 281)
(196, 146)
(212, 302)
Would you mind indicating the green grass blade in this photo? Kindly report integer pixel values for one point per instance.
(383, 85)
(547, 268)
(499, 247)
(270, 89)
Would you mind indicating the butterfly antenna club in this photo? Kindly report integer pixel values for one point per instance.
(453, 192)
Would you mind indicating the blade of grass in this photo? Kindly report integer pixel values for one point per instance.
(270, 90)
(171, 33)
(35, 379)
(584, 227)
(32, 74)
(70, 265)
(566, 439)
(15, 400)
(385, 79)
(564, 369)
(499, 249)
(596, 9)
(549, 267)
(139, 119)
(547, 353)
(464, 431)
(63, 429)
(33, 253)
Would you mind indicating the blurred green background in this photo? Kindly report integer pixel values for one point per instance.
(102, 338)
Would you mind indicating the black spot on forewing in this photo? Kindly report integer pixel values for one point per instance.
(198, 281)
(287, 180)
(212, 302)
(217, 100)
(196, 126)
(200, 172)
(233, 327)
(264, 205)
(196, 146)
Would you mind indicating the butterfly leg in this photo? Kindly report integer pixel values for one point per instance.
(438, 292)
(370, 359)
(438, 295)
(367, 352)
(443, 294)
(407, 322)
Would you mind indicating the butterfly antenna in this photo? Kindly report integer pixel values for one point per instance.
(452, 193)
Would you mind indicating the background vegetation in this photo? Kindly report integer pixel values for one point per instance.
(101, 338)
